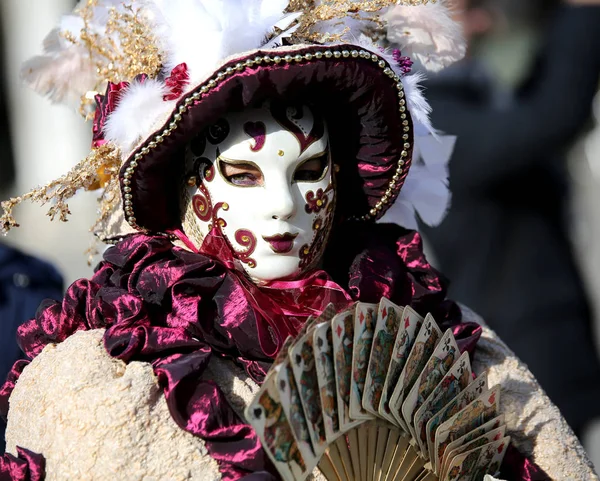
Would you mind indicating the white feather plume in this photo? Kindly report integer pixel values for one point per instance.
(62, 77)
(202, 33)
(426, 33)
(426, 191)
(65, 71)
(417, 105)
(140, 109)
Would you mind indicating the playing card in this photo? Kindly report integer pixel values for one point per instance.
(465, 398)
(302, 359)
(476, 414)
(482, 440)
(495, 423)
(388, 320)
(467, 438)
(364, 324)
(265, 414)
(292, 407)
(325, 316)
(491, 458)
(440, 362)
(342, 327)
(405, 339)
(426, 342)
(453, 383)
(461, 467)
(474, 464)
(322, 342)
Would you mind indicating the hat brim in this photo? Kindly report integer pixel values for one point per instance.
(357, 91)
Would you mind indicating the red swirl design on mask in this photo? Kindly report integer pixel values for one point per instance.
(218, 220)
(246, 239)
(280, 114)
(258, 131)
(202, 207)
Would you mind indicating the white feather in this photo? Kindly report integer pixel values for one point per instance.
(202, 33)
(64, 77)
(65, 71)
(426, 191)
(140, 109)
(418, 106)
(426, 33)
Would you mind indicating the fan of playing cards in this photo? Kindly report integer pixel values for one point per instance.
(378, 393)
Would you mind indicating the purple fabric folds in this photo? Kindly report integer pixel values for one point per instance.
(176, 309)
(26, 465)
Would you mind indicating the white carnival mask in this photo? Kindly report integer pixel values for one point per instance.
(264, 179)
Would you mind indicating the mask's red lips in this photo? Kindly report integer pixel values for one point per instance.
(281, 243)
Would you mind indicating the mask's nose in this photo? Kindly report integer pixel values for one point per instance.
(282, 205)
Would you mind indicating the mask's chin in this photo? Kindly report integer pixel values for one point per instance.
(276, 268)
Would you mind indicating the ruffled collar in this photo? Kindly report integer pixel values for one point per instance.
(176, 309)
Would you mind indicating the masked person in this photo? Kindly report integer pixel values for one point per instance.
(246, 151)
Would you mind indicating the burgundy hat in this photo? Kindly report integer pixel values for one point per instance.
(358, 93)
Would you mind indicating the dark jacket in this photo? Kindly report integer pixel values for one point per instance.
(505, 243)
(24, 283)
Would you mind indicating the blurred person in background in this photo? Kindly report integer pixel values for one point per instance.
(24, 281)
(505, 242)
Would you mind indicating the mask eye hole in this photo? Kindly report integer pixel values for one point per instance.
(312, 170)
(242, 174)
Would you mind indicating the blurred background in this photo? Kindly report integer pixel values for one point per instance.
(541, 210)
(40, 142)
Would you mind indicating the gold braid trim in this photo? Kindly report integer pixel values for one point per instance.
(125, 49)
(339, 9)
(100, 167)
